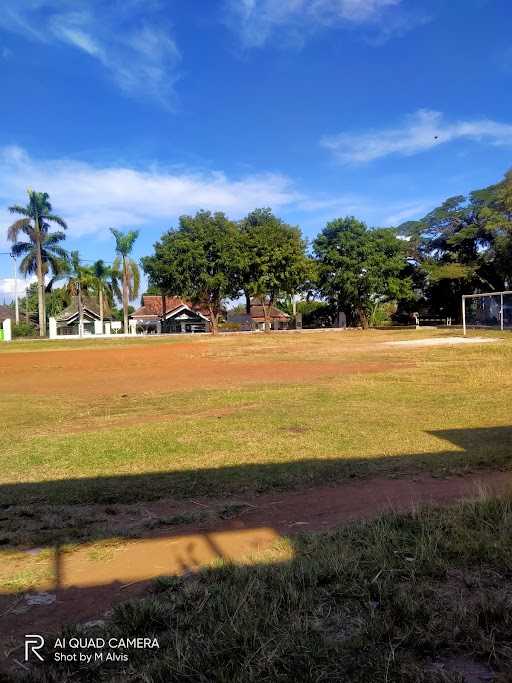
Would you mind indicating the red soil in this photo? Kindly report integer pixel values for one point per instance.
(162, 367)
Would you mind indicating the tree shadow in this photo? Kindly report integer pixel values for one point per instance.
(478, 448)
(126, 561)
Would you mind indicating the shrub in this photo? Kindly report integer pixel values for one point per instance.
(230, 327)
(23, 330)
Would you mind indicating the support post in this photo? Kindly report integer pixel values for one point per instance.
(7, 328)
(501, 311)
(16, 304)
(464, 314)
(52, 324)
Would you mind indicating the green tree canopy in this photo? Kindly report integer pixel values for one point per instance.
(359, 268)
(274, 259)
(463, 246)
(200, 261)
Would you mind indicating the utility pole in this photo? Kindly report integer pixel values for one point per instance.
(16, 304)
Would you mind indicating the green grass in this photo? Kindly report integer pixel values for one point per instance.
(420, 598)
(444, 410)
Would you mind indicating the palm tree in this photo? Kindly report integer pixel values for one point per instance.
(80, 279)
(126, 268)
(101, 276)
(41, 252)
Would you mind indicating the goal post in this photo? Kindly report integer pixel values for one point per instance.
(491, 310)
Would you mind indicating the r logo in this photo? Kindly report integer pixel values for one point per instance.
(33, 643)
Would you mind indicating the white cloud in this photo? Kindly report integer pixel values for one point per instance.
(8, 288)
(130, 39)
(256, 21)
(411, 211)
(421, 131)
(93, 198)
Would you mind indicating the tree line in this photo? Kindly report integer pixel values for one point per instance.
(42, 254)
(369, 274)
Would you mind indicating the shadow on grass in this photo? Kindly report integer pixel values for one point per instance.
(48, 516)
(479, 448)
(408, 599)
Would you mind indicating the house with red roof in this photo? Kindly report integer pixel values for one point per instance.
(255, 318)
(170, 315)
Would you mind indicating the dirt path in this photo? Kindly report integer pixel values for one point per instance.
(84, 584)
(103, 372)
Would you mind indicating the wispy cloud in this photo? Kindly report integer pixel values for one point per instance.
(130, 39)
(406, 212)
(8, 287)
(92, 198)
(419, 132)
(256, 21)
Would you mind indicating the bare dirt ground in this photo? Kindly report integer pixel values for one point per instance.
(443, 341)
(166, 367)
(83, 586)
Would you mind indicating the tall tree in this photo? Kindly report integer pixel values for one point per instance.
(274, 259)
(359, 267)
(462, 247)
(126, 269)
(102, 282)
(200, 260)
(79, 281)
(41, 252)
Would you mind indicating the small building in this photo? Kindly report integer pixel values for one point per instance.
(68, 319)
(180, 316)
(255, 319)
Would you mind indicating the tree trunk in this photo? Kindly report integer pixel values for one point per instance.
(247, 303)
(164, 311)
(363, 320)
(125, 296)
(101, 308)
(214, 329)
(80, 312)
(268, 321)
(40, 286)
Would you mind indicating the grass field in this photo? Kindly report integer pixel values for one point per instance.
(93, 431)
(245, 413)
(422, 598)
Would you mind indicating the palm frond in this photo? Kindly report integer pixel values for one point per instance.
(117, 277)
(54, 237)
(21, 248)
(53, 218)
(21, 225)
(21, 210)
(59, 266)
(28, 264)
(134, 273)
(60, 252)
(124, 240)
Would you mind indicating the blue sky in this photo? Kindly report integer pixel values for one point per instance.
(132, 112)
